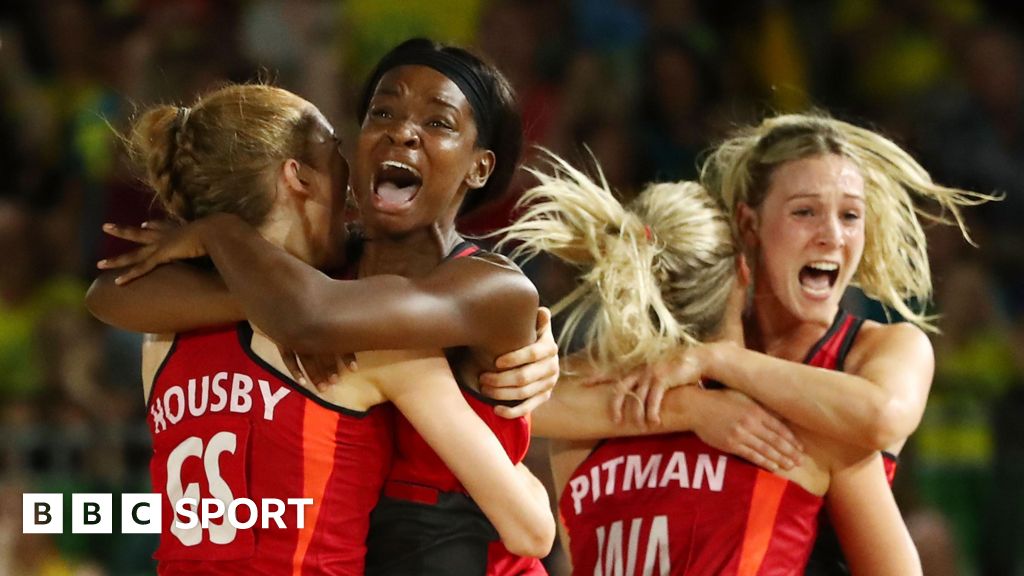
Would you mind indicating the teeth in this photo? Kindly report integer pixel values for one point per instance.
(402, 165)
(824, 266)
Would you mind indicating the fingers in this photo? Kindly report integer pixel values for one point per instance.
(755, 457)
(776, 448)
(137, 262)
(654, 398)
(544, 323)
(139, 235)
(129, 258)
(785, 437)
(158, 225)
(754, 439)
(733, 423)
(521, 376)
(330, 372)
(134, 272)
(292, 363)
(319, 369)
(622, 389)
(537, 386)
(347, 362)
(633, 409)
(639, 395)
(618, 407)
(523, 408)
(772, 459)
(541, 349)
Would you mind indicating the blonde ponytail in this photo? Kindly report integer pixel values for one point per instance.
(642, 291)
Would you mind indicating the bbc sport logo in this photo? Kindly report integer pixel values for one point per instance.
(142, 514)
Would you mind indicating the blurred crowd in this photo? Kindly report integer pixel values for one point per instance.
(645, 85)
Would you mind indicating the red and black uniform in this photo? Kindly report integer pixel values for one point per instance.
(425, 523)
(830, 352)
(671, 504)
(226, 425)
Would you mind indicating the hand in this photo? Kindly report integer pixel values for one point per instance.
(733, 423)
(161, 241)
(648, 384)
(528, 374)
(322, 371)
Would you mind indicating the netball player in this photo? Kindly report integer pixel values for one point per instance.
(226, 421)
(440, 127)
(661, 274)
(792, 185)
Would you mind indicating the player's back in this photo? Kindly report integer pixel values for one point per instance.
(228, 425)
(671, 504)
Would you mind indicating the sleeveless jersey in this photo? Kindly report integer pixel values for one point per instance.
(228, 426)
(671, 504)
(425, 522)
(830, 352)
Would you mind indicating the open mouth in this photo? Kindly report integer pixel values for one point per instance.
(818, 278)
(396, 183)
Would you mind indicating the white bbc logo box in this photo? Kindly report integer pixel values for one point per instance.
(90, 513)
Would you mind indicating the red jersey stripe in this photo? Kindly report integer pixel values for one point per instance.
(764, 507)
(317, 464)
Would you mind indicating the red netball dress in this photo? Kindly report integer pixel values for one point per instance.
(425, 523)
(227, 425)
(830, 353)
(671, 504)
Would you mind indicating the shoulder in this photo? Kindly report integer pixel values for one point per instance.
(490, 296)
(901, 341)
(487, 279)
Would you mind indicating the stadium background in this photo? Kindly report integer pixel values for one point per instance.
(646, 84)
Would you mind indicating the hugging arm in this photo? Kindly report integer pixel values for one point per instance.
(173, 298)
(877, 402)
(868, 523)
(728, 420)
(479, 303)
(468, 302)
(422, 387)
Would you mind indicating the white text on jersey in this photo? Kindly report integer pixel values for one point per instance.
(603, 479)
(232, 392)
(612, 560)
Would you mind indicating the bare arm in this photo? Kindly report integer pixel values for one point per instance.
(725, 419)
(423, 388)
(864, 514)
(468, 302)
(472, 302)
(171, 298)
(878, 402)
(581, 411)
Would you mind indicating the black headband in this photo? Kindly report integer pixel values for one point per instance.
(455, 69)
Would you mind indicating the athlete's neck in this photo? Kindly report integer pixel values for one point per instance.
(412, 255)
(779, 333)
